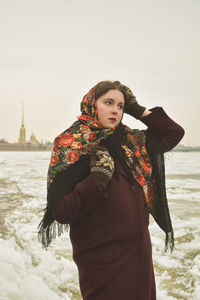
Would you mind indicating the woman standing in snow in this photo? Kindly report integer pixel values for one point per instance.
(104, 179)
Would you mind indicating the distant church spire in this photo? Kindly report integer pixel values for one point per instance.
(23, 114)
(22, 131)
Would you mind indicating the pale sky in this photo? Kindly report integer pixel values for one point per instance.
(53, 52)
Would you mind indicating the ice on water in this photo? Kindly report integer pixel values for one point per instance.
(28, 272)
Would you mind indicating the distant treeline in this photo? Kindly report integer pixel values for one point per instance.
(182, 148)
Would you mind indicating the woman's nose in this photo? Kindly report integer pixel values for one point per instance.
(115, 110)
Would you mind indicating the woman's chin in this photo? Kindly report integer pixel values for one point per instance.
(109, 127)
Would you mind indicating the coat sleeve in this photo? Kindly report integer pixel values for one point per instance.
(83, 198)
(163, 134)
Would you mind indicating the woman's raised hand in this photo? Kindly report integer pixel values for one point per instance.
(131, 105)
(101, 166)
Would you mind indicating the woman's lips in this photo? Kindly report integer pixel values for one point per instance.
(112, 119)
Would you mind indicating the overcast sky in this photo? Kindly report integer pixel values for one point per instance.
(53, 52)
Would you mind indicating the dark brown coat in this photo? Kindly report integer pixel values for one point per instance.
(109, 231)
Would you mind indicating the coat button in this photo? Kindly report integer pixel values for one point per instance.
(133, 188)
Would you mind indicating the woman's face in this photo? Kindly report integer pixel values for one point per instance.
(110, 108)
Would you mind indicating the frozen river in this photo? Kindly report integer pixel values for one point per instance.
(28, 272)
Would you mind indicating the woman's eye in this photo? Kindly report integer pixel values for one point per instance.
(108, 102)
(121, 107)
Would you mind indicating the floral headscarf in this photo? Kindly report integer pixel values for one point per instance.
(76, 142)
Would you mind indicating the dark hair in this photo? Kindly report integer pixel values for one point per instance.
(104, 86)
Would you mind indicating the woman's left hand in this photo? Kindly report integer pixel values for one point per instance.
(101, 166)
(131, 106)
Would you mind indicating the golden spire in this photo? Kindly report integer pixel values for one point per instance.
(22, 131)
(22, 114)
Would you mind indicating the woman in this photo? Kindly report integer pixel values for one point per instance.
(104, 179)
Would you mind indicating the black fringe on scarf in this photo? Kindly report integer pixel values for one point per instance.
(162, 217)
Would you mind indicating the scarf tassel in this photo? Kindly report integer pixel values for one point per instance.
(169, 241)
(50, 230)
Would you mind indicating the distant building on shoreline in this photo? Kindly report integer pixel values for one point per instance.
(23, 145)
